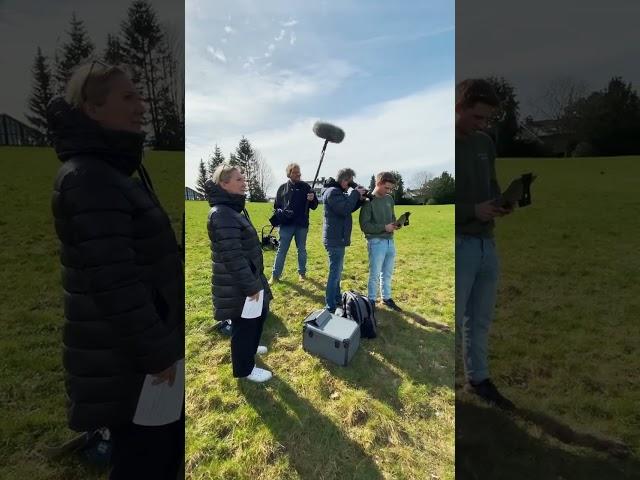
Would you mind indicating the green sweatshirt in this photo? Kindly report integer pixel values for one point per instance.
(375, 214)
(475, 183)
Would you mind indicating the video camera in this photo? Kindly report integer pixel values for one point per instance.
(367, 193)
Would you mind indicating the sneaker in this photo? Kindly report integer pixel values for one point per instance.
(273, 280)
(487, 391)
(261, 350)
(259, 375)
(391, 304)
(302, 277)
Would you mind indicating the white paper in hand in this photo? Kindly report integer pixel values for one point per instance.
(161, 404)
(252, 308)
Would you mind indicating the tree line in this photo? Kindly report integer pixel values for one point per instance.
(429, 189)
(598, 123)
(258, 174)
(145, 47)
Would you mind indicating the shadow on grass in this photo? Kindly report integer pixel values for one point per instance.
(314, 446)
(273, 327)
(306, 292)
(426, 356)
(491, 445)
(426, 323)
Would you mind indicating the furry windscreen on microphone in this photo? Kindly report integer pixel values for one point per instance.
(328, 132)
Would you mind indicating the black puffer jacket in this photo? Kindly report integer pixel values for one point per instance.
(121, 271)
(238, 268)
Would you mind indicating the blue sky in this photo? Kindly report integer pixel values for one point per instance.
(383, 71)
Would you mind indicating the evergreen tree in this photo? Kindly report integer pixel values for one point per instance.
(256, 193)
(154, 68)
(41, 93)
(372, 183)
(113, 53)
(77, 50)
(202, 178)
(215, 160)
(398, 194)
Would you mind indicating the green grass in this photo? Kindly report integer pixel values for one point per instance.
(565, 339)
(389, 414)
(31, 376)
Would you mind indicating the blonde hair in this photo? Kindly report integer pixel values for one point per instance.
(222, 174)
(91, 82)
(290, 168)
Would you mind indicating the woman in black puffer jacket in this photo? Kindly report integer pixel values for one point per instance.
(122, 271)
(238, 277)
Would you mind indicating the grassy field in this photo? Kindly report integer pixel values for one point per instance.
(389, 414)
(565, 339)
(31, 377)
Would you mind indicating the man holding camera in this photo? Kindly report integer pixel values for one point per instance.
(339, 204)
(292, 204)
(378, 222)
(476, 209)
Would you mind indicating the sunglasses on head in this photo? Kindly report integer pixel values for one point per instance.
(86, 79)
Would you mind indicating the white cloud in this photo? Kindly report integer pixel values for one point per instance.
(271, 47)
(219, 54)
(408, 134)
(292, 38)
(229, 29)
(280, 36)
(223, 40)
(290, 23)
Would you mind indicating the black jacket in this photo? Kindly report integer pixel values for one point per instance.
(237, 263)
(293, 196)
(121, 271)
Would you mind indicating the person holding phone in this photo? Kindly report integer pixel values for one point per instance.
(477, 269)
(240, 290)
(378, 222)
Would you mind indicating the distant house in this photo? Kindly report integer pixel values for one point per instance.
(191, 194)
(549, 134)
(15, 133)
(416, 195)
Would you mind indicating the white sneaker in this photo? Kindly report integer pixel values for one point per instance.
(259, 375)
(261, 350)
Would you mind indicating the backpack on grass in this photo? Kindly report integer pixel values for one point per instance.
(359, 308)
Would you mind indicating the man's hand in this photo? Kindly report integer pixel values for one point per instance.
(168, 375)
(390, 227)
(361, 191)
(485, 211)
(310, 196)
(254, 298)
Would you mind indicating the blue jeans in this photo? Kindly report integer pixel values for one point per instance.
(336, 262)
(287, 233)
(477, 274)
(382, 256)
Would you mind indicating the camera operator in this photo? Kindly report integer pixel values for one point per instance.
(293, 201)
(339, 204)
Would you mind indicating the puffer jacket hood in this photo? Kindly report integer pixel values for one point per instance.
(74, 133)
(329, 183)
(216, 195)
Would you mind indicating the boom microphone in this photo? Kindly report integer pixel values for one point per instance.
(328, 132)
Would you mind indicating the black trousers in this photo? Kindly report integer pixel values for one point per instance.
(147, 452)
(245, 338)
